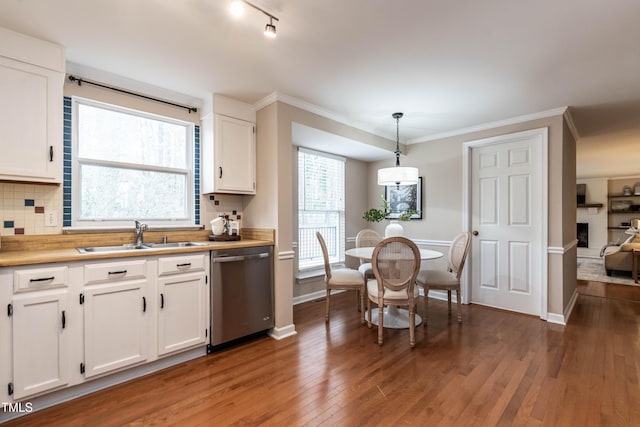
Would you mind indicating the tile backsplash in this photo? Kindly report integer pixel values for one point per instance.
(23, 208)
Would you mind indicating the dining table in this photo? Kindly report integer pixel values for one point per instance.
(394, 317)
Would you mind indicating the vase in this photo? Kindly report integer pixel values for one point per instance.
(393, 229)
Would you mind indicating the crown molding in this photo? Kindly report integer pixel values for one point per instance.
(486, 126)
(312, 108)
(571, 124)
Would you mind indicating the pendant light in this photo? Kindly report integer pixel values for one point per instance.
(398, 175)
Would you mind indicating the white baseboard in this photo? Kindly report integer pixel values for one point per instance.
(562, 319)
(283, 332)
(313, 296)
(556, 318)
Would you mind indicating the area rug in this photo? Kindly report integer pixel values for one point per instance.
(593, 269)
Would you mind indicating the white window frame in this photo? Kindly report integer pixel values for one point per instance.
(77, 161)
(341, 237)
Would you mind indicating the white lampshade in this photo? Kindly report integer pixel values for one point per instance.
(398, 175)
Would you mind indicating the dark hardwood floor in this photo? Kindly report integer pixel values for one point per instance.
(497, 368)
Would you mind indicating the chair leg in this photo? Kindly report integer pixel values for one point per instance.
(361, 292)
(326, 305)
(412, 327)
(426, 306)
(459, 303)
(380, 321)
(369, 313)
(449, 299)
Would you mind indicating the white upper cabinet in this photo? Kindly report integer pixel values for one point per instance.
(235, 155)
(31, 82)
(229, 149)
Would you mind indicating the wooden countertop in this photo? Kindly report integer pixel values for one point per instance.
(28, 250)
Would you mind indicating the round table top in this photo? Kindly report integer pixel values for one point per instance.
(367, 251)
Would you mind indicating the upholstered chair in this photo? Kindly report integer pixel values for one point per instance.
(341, 279)
(396, 261)
(447, 280)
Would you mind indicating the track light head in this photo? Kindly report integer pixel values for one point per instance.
(270, 29)
(237, 9)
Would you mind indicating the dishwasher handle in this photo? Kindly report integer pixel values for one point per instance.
(240, 257)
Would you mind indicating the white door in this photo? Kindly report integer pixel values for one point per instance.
(508, 221)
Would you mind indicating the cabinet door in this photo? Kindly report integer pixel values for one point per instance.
(235, 156)
(30, 122)
(39, 342)
(182, 314)
(115, 319)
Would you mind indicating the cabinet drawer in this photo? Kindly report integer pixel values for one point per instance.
(35, 279)
(181, 264)
(112, 271)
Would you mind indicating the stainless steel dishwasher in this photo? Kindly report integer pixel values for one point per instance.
(241, 293)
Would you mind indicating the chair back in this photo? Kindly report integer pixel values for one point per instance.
(367, 238)
(458, 253)
(325, 255)
(396, 261)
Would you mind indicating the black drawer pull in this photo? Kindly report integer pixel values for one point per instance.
(144, 305)
(186, 264)
(161, 300)
(51, 153)
(220, 168)
(42, 279)
(64, 320)
(118, 272)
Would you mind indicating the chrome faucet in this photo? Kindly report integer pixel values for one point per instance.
(140, 229)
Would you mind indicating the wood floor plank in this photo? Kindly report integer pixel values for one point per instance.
(496, 368)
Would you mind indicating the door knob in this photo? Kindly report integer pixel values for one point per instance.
(475, 232)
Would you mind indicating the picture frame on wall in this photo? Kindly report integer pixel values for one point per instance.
(402, 198)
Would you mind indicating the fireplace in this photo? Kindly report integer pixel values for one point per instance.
(583, 234)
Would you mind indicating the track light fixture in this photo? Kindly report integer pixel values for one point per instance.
(237, 9)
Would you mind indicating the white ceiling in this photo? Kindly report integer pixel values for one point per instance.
(447, 65)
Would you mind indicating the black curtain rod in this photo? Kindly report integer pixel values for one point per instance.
(81, 81)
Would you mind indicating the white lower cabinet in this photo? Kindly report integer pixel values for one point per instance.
(182, 318)
(183, 303)
(115, 326)
(116, 315)
(39, 341)
(69, 323)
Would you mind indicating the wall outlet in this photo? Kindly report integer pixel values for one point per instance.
(51, 219)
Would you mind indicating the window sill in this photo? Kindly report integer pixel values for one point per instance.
(123, 229)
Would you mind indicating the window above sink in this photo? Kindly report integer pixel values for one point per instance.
(127, 164)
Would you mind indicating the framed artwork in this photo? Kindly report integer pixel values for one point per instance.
(403, 198)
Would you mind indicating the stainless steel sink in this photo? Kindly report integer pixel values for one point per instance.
(172, 245)
(120, 248)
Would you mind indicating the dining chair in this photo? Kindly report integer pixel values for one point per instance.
(341, 279)
(367, 238)
(449, 279)
(396, 261)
